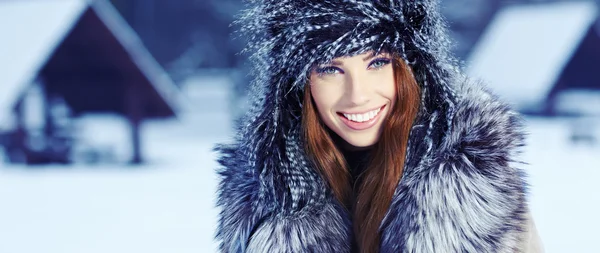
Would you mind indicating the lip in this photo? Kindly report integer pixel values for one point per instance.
(361, 125)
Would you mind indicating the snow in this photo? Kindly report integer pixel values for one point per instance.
(165, 205)
(579, 101)
(107, 134)
(564, 188)
(30, 41)
(524, 48)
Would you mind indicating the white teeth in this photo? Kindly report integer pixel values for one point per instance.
(362, 117)
(366, 117)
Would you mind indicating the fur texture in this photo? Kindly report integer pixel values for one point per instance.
(460, 191)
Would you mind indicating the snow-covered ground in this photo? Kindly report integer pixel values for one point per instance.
(164, 206)
(565, 198)
(167, 205)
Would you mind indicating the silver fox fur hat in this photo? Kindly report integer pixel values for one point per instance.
(288, 37)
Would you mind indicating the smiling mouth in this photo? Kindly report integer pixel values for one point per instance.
(361, 121)
(361, 117)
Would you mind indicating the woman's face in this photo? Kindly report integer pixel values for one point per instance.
(354, 95)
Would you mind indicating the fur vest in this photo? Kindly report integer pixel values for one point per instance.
(460, 190)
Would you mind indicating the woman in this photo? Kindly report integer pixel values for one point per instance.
(364, 137)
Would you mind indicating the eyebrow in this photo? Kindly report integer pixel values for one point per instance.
(371, 56)
(368, 57)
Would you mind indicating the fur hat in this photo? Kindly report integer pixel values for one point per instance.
(288, 37)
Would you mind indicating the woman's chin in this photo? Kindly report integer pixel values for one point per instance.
(352, 140)
(360, 142)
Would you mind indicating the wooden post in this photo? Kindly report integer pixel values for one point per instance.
(136, 141)
(133, 102)
(17, 151)
(48, 121)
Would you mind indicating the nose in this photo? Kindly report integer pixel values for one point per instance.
(357, 91)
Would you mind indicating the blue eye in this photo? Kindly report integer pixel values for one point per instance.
(379, 63)
(327, 70)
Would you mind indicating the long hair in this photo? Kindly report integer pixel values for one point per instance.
(384, 170)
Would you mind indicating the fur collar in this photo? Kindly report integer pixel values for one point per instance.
(459, 193)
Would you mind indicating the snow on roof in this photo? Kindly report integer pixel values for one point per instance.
(524, 49)
(31, 30)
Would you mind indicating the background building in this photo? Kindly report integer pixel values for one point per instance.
(75, 58)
